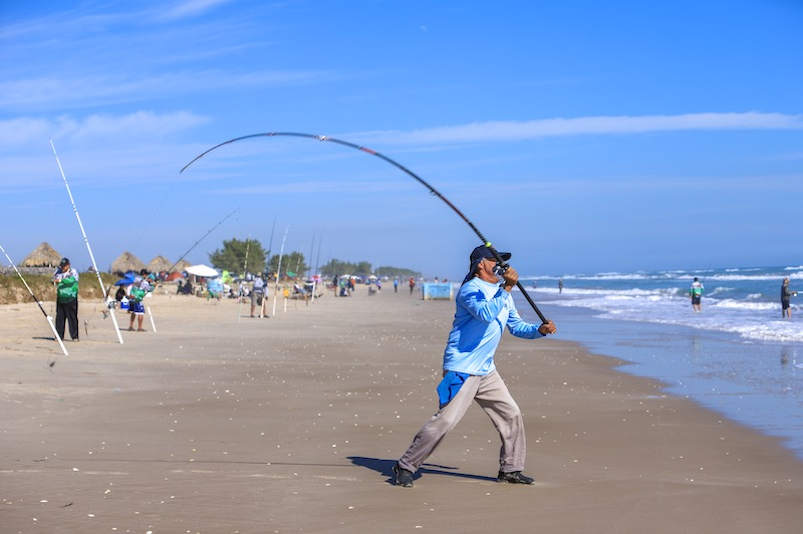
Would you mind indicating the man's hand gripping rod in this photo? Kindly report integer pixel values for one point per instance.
(504, 265)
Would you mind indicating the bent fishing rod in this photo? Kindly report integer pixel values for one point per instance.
(504, 265)
(202, 238)
(38, 303)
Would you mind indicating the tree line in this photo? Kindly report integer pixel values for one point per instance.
(239, 256)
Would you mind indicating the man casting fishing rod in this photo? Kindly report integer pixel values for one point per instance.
(484, 308)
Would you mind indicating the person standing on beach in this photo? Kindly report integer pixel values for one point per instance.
(696, 294)
(257, 293)
(786, 311)
(136, 308)
(412, 284)
(484, 308)
(66, 281)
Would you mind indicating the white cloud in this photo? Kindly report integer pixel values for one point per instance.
(23, 131)
(192, 8)
(139, 124)
(92, 91)
(602, 125)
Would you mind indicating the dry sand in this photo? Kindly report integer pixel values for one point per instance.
(293, 423)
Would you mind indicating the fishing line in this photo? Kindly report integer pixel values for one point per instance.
(398, 165)
(38, 303)
(86, 240)
(202, 238)
(153, 216)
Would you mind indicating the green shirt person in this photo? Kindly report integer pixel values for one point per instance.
(66, 282)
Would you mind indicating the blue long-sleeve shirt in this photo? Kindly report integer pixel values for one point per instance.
(483, 312)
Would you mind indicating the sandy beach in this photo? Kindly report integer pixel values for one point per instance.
(292, 424)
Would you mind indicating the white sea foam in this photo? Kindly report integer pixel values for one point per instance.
(745, 301)
(739, 356)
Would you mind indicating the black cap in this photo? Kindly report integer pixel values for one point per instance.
(64, 261)
(480, 253)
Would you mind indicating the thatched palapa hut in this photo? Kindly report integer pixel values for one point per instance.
(42, 256)
(159, 264)
(127, 262)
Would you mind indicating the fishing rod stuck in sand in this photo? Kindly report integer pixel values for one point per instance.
(38, 303)
(103, 291)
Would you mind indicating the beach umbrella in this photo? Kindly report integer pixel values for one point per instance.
(202, 270)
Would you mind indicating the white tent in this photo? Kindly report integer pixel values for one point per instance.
(202, 270)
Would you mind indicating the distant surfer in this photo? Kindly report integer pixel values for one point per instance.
(696, 294)
(786, 311)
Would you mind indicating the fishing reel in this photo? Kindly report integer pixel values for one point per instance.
(500, 269)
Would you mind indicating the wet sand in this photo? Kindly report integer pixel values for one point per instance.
(293, 423)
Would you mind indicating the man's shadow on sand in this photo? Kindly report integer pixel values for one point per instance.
(385, 468)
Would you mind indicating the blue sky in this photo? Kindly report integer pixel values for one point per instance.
(581, 136)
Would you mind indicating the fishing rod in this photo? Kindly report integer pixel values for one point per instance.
(315, 273)
(245, 273)
(279, 270)
(270, 243)
(298, 261)
(204, 236)
(265, 295)
(317, 263)
(38, 303)
(311, 250)
(88, 248)
(504, 265)
(318, 257)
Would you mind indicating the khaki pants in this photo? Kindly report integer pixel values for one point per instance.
(492, 395)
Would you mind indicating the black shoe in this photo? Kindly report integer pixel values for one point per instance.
(404, 478)
(516, 477)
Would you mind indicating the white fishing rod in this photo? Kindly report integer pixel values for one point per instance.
(317, 263)
(309, 271)
(279, 270)
(150, 314)
(38, 303)
(88, 248)
(264, 305)
(245, 272)
(311, 251)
